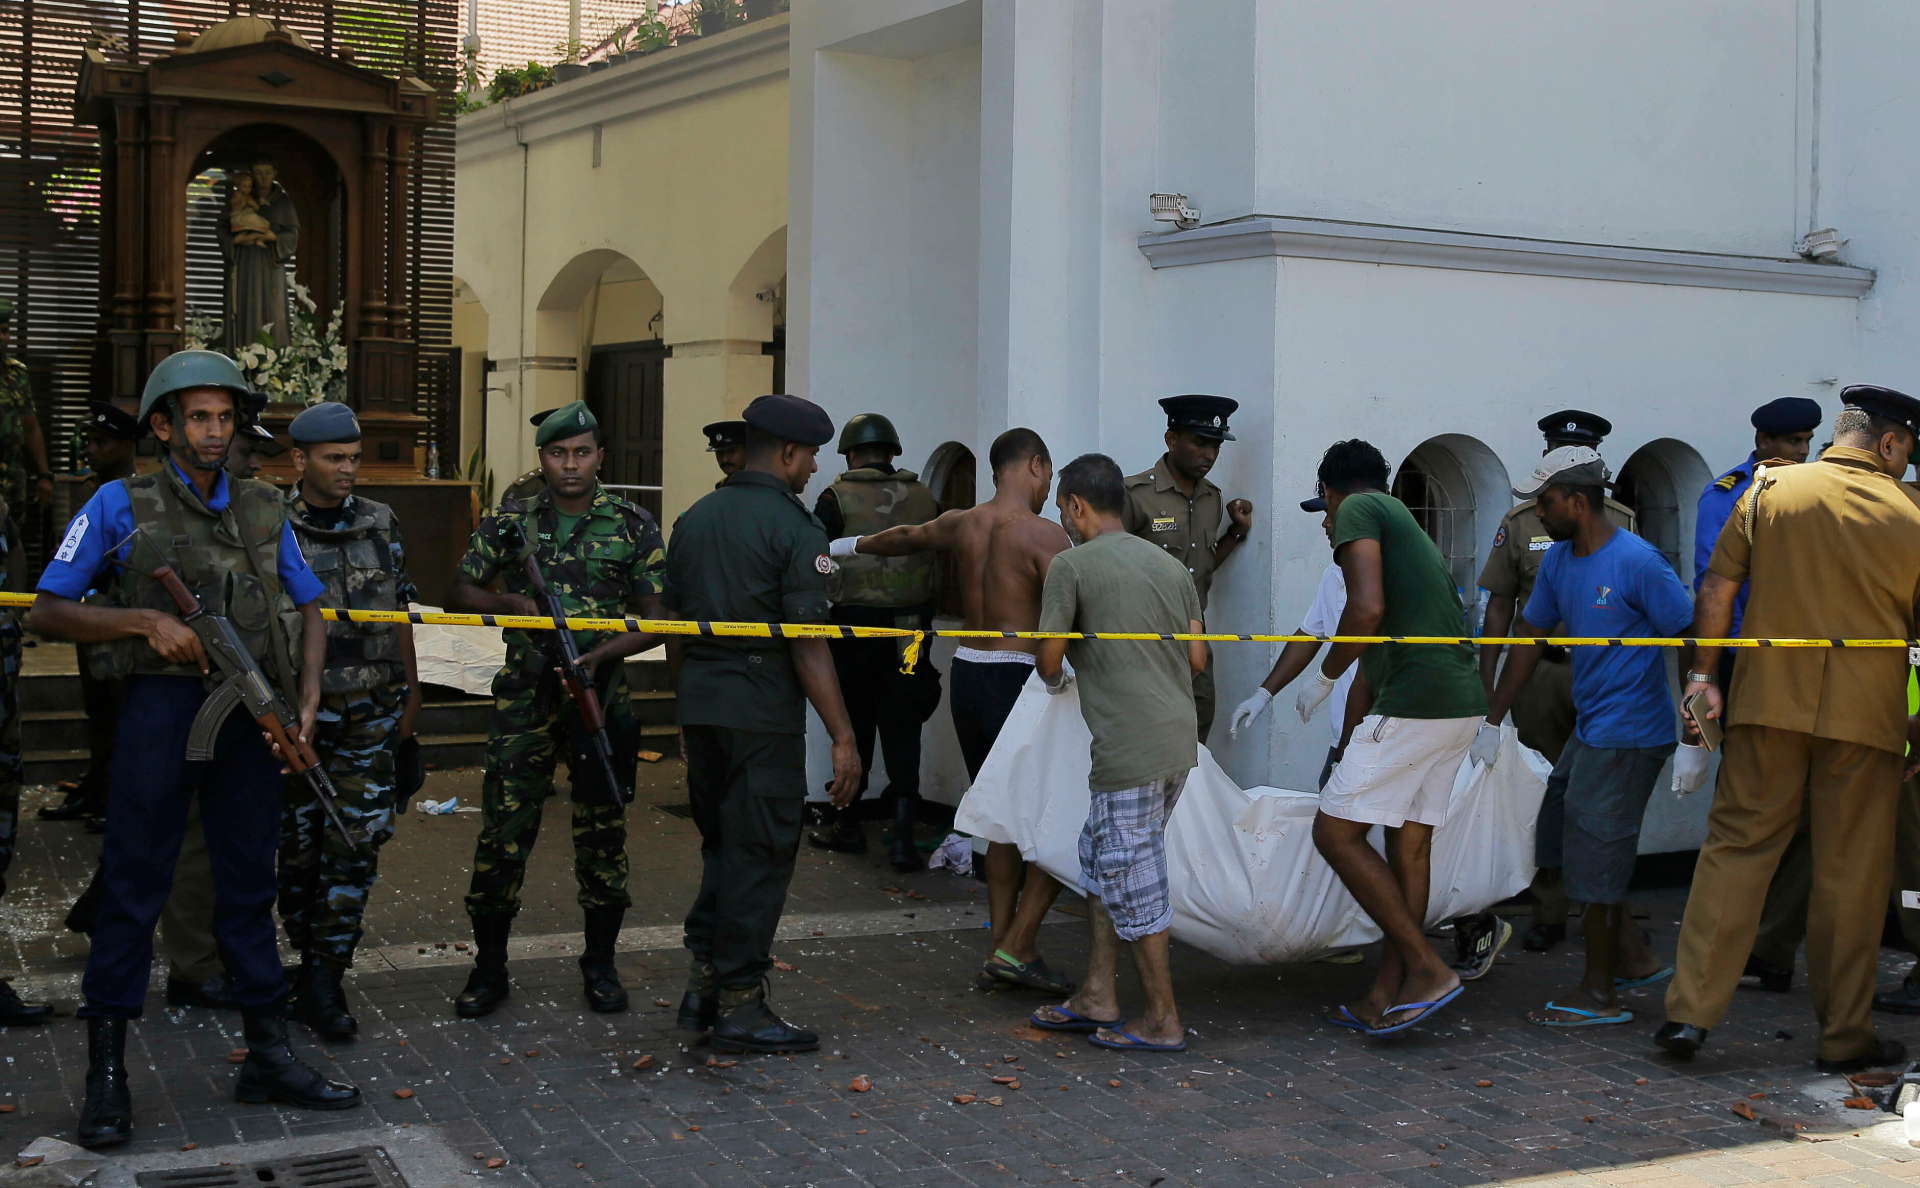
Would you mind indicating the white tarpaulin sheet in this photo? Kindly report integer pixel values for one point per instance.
(1247, 884)
(463, 658)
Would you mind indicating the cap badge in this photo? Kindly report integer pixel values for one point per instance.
(1572, 426)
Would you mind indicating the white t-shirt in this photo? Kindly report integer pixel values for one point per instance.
(1323, 618)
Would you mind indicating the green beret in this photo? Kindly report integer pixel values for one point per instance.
(569, 420)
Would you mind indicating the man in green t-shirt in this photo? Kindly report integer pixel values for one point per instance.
(1399, 768)
(1137, 698)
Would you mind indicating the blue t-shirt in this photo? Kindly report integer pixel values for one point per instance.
(97, 538)
(1624, 588)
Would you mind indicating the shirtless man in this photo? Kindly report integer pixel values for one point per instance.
(1001, 549)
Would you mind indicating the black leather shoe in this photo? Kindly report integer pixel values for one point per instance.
(487, 985)
(72, 809)
(1543, 937)
(1885, 1052)
(322, 1002)
(212, 994)
(14, 1012)
(1681, 1039)
(698, 1012)
(106, 1118)
(1903, 999)
(753, 1027)
(1770, 976)
(842, 835)
(273, 1073)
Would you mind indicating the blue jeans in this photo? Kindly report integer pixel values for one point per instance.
(240, 796)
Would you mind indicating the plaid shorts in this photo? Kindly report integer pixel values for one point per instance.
(1123, 855)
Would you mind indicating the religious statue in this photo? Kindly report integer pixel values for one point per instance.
(261, 232)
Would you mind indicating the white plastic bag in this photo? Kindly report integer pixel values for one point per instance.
(1247, 884)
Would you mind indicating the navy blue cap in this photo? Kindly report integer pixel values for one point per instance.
(324, 423)
(790, 418)
(723, 435)
(108, 420)
(264, 442)
(1789, 414)
(1317, 504)
(1884, 402)
(1570, 426)
(1201, 415)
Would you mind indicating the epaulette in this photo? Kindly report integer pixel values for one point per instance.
(1139, 480)
(1727, 481)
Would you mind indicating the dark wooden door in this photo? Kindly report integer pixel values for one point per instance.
(623, 389)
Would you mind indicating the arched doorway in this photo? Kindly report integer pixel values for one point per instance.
(1457, 489)
(1662, 482)
(950, 474)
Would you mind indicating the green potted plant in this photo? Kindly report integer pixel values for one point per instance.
(650, 35)
(759, 10)
(569, 67)
(713, 16)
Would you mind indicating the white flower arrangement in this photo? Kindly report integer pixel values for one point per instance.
(310, 369)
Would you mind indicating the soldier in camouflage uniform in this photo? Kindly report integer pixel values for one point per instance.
(369, 701)
(21, 442)
(12, 1010)
(601, 556)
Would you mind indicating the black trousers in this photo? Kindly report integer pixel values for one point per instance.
(747, 789)
(882, 701)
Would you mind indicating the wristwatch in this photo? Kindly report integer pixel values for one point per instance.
(1703, 678)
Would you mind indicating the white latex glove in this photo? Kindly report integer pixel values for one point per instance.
(1486, 745)
(1312, 694)
(1248, 710)
(844, 547)
(1060, 682)
(1689, 769)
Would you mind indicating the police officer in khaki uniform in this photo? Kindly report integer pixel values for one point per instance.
(1543, 712)
(870, 496)
(1174, 506)
(727, 442)
(1827, 547)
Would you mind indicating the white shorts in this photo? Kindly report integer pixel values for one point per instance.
(1398, 770)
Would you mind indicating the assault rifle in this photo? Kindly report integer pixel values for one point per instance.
(243, 684)
(578, 682)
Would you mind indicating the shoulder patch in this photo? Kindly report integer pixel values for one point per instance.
(1727, 481)
(824, 564)
(1500, 537)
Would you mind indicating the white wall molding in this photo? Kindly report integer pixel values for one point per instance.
(1416, 247)
(752, 53)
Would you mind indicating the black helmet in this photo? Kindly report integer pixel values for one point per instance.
(867, 429)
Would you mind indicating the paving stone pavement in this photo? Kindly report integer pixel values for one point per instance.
(1268, 1094)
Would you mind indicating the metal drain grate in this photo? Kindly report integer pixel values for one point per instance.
(678, 808)
(359, 1167)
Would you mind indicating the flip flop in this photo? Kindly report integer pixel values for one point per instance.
(1134, 1043)
(1424, 1009)
(1075, 1021)
(1031, 975)
(1587, 1018)
(1350, 1021)
(1635, 983)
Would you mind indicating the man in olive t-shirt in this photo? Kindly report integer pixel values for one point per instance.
(1400, 765)
(1137, 698)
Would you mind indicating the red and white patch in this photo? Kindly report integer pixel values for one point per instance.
(824, 564)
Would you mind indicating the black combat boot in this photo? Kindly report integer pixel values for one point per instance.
(605, 994)
(273, 1073)
(747, 1024)
(487, 984)
(106, 1119)
(322, 1002)
(700, 1005)
(902, 853)
(14, 1012)
(841, 832)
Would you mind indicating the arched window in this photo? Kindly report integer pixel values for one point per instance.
(1457, 489)
(950, 475)
(1662, 482)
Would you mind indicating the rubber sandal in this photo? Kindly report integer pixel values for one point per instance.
(1075, 1021)
(1635, 983)
(1587, 1018)
(1134, 1043)
(1424, 1009)
(1030, 975)
(1347, 1019)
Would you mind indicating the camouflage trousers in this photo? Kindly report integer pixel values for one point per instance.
(10, 761)
(525, 741)
(323, 884)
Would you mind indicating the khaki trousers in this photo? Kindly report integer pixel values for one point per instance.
(1756, 808)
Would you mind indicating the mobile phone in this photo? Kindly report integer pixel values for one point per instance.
(1696, 707)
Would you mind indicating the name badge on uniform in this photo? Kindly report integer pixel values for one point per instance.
(1539, 544)
(1163, 524)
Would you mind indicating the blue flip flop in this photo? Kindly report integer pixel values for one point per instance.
(1635, 983)
(1587, 1018)
(1075, 1021)
(1424, 1008)
(1134, 1043)
(1350, 1021)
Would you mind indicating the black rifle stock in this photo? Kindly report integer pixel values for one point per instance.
(578, 682)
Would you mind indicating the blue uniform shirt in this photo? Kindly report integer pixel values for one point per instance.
(1624, 588)
(1716, 508)
(97, 538)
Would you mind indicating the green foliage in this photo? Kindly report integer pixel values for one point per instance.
(724, 12)
(479, 472)
(509, 83)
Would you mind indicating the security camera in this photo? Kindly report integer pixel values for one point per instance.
(1823, 244)
(1173, 208)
